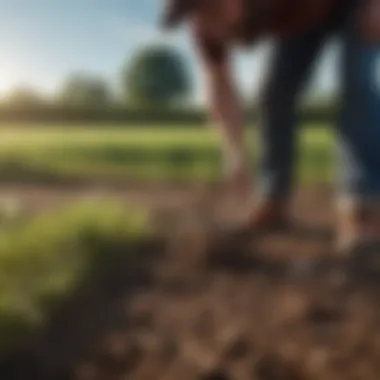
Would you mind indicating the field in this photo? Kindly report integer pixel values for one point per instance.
(64, 153)
(118, 260)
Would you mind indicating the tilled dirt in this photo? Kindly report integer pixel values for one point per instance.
(208, 303)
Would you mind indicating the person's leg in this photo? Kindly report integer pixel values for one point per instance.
(290, 66)
(288, 72)
(359, 135)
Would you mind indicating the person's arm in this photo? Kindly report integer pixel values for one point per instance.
(224, 106)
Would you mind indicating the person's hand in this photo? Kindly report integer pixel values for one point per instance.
(238, 177)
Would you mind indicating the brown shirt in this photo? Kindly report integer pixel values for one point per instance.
(278, 19)
(286, 20)
(369, 20)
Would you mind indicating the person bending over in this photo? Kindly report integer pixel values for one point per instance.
(300, 29)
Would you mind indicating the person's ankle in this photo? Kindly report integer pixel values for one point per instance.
(358, 223)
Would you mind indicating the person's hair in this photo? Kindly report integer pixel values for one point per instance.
(176, 11)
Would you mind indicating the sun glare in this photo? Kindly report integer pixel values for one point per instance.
(8, 80)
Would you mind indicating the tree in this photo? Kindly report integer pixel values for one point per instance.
(156, 76)
(23, 96)
(81, 89)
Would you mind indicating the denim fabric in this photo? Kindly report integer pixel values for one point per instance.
(359, 124)
(358, 132)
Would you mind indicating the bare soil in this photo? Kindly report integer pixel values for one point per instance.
(205, 302)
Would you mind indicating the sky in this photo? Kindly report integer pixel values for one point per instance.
(42, 41)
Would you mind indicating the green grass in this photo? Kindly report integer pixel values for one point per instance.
(44, 260)
(41, 153)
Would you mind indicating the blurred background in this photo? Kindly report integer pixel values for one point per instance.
(96, 101)
(95, 91)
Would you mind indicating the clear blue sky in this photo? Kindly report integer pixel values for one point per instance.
(41, 41)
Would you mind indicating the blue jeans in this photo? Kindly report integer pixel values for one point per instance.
(358, 134)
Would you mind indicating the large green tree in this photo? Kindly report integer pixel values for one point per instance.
(156, 76)
(81, 89)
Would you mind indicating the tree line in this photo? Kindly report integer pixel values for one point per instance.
(152, 84)
(156, 76)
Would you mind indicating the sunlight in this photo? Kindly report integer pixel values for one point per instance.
(8, 79)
